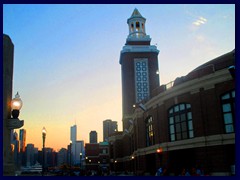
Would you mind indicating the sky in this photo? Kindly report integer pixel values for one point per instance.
(66, 58)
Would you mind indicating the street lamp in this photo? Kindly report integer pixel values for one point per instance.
(80, 160)
(16, 105)
(70, 154)
(44, 132)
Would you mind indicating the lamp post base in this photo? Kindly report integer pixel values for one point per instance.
(14, 123)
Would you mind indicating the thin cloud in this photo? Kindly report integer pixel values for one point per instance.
(200, 21)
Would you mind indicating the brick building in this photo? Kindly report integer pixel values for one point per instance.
(187, 123)
(97, 157)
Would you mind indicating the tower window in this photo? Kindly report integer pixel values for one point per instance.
(137, 26)
(143, 26)
(132, 27)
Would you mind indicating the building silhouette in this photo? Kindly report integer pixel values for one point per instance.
(30, 154)
(79, 151)
(16, 152)
(109, 127)
(93, 137)
(62, 157)
(73, 139)
(22, 144)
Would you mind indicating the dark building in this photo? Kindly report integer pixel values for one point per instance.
(97, 157)
(22, 141)
(93, 137)
(109, 127)
(104, 158)
(189, 123)
(91, 156)
(62, 157)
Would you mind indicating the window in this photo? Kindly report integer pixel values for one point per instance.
(180, 122)
(149, 131)
(137, 26)
(141, 79)
(228, 110)
(132, 27)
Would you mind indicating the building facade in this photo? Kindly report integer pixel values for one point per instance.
(73, 139)
(93, 137)
(22, 144)
(30, 154)
(62, 157)
(91, 157)
(16, 152)
(189, 123)
(109, 127)
(97, 157)
(79, 152)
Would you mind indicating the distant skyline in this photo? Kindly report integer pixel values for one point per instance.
(66, 58)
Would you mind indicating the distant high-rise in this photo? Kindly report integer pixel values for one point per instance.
(73, 138)
(22, 139)
(16, 154)
(79, 151)
(62, 157)
(22, 146)
(73, 135)
(30, 154)
(93, 137)
(109, 127)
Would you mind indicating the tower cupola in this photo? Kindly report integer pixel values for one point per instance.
(136, 25)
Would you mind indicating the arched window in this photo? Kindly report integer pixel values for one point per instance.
(228, 110)
(142, 26)
(149, 131)
(137, 26)
(180, 122)
(132, 27)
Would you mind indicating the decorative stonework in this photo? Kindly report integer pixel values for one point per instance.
(141, 79)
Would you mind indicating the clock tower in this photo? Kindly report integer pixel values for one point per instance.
(139, 66)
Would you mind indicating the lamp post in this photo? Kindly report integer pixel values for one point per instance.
(80, 160)
(44, 132)
(70, 154)
(11, 122)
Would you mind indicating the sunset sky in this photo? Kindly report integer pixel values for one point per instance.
(66, 58)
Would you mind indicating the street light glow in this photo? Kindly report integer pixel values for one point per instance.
(44, 130)
(16, 103)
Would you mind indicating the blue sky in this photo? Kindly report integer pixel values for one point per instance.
(66, 58)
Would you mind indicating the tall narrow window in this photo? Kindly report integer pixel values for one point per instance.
(228, 110)
(180, 122)
(149, 131)
(132, 27)
(137, 26)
